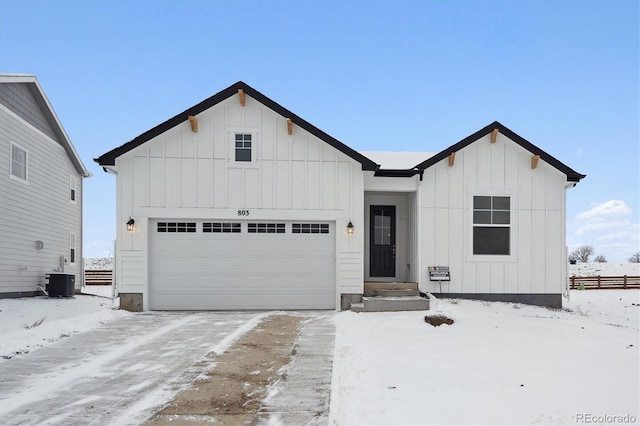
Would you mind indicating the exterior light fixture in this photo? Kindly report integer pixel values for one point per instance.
(130, 224)
(350, 228)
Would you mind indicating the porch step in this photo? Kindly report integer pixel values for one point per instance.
(391, 304)
(368, 285)
(391, 293)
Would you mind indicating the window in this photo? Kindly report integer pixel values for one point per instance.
(217, 227)
(72, 189)
(176, 227)
(72, 248)
(310, 228)
(491, 225)
(266, 228)
(382, 228)
(243, 147)
(18, 162)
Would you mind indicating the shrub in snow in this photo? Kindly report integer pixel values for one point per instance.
(436, 320)
(35, 324)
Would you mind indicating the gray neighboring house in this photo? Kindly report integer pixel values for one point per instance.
(40, 191)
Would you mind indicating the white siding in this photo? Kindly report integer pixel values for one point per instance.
(536, 263)
(182, 174)
(39, 210)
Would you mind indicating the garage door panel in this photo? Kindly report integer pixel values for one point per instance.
(198, 270)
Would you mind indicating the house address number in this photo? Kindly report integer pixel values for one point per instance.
(243, 212)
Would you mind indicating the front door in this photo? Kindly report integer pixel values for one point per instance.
(382, 242)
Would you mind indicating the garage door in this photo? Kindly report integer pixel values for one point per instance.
(230, 265)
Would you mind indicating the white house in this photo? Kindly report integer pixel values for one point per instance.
(238, 203)
(40, 191)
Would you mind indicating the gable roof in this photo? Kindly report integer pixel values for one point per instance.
(109, 158)
(52, 118)
(572, 175)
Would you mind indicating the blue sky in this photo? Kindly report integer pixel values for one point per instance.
(377, 75)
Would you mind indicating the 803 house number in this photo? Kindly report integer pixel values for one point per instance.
(243, 212)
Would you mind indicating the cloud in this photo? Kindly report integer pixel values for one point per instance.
(605, 210)
(610, 227)
(622, 235)
(600, 226)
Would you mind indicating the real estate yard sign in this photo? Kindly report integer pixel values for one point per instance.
(439, 273)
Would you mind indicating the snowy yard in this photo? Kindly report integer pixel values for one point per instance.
(498, 363)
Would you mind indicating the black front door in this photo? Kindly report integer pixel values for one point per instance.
(382, 242)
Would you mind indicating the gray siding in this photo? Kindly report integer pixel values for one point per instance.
(20, 100)
(39, 210)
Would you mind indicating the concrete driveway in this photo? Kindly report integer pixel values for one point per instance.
(123, 372)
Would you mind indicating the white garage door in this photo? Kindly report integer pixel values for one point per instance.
(212, 264)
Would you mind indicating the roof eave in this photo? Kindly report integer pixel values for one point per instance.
(397, 172)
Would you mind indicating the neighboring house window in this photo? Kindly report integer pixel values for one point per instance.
(176, 227)
(18, 161)
(72, 248)
(266, 228)
(491, 225)
(310, 228)
(218, 227)
(243, 147)
(72, 189)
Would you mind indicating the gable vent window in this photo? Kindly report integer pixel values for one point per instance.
(266, 228)
(217, 227)
(243, 147)
(18, 162)
(176, 227)
(491, 225)
(310, 228)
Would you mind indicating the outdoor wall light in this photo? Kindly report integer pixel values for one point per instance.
(130, 224)
(350, 228)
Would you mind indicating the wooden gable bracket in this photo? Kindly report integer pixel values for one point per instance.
(452, 158)
(194, 124)
(534, 161)
(241, 96)
(494, 135)
(289, 126)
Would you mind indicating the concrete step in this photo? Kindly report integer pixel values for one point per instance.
(391, 293)
(391, 304)
(390, 286)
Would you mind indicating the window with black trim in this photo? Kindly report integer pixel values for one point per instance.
(18, 162)
(221, 227)
(72, 248)
(176, 227)
(72, 189)
(310, 228)
(266, 228)
(491, 225)
(243, 147)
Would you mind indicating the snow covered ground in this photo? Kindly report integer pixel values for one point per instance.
(499, 363)
(30, 323)
(604, 269)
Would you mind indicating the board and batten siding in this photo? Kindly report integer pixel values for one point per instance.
(537, 263)
(183, 174)
(38, 210)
